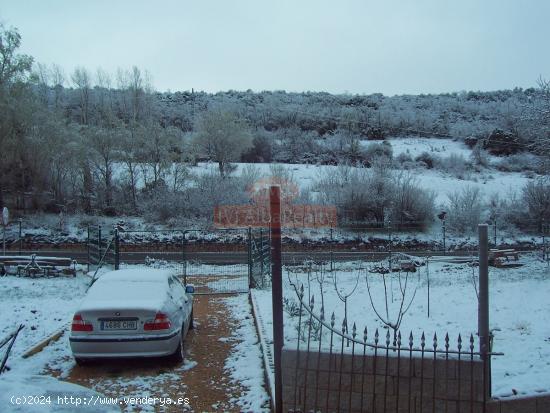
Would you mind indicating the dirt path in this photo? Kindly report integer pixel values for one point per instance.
(202, 377)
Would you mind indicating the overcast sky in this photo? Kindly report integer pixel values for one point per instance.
(392, 47)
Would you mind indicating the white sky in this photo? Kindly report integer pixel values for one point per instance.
(388, 46)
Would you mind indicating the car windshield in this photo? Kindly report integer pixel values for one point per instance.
(132, 290)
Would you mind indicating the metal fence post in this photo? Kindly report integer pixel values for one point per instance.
(20, 236)
(99, 242)
(262, 246)
(444, 247)
(249, 257)
(117, 250)
(495, 231)
(277, 292)
(483, 306)
(88, 244)
(184, 260)
(543, 241)
(331, 252)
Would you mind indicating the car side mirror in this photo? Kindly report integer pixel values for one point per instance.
(189, 289)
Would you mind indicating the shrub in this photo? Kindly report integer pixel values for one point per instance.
(502, 143)
(412, 205)
(368, 196)
(519, 162)
(260, 151)
(404, 157)
(375, 134)
(465, 209)
(536, 198)
(479, 156)
(455, 165)
(425, 159)
(378, 150)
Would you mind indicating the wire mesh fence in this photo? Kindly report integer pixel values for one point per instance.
(259, 257)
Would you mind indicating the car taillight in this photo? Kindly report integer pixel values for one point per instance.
(161, 322)
(80, 325)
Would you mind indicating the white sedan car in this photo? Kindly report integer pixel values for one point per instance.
(133, 313)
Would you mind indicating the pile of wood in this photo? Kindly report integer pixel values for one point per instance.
(504, 258)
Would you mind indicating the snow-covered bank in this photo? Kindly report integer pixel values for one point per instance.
(245, 363)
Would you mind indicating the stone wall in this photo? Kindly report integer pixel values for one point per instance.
(535, 404)
(366, 382)
(363, 384)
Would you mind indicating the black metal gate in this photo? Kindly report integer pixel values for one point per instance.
(216, 261)
(259, 258)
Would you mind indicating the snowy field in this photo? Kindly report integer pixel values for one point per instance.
(417, 146)
(489, 182)
(519, 308)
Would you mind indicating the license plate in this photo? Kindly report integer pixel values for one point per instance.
(119, 325)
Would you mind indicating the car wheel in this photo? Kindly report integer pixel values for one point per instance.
(191, 322)
(179, 354)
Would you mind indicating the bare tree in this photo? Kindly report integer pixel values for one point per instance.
(343, 296)
(136, 91)
(82, 80)
(393, 316)
(57, 78)
(223, 137)
(157, 151)
(130, 145)
(104, 94)
(42, 74)
(465, 207)
(105, 145)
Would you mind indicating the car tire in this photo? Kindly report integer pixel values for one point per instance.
(179, 354)
(191, 322)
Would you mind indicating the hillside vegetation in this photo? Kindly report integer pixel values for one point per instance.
(109, 144)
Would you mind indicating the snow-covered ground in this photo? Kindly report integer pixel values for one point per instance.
(45, 305)
(519, 308)
(416, 146)
(44, 394)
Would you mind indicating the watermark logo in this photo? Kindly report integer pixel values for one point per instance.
(257, 213)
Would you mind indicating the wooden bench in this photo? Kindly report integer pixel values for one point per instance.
(502, 258)
(36, 266)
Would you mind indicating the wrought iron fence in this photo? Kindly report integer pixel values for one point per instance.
(333, 369)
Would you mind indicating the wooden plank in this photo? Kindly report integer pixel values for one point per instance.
(38, 347)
